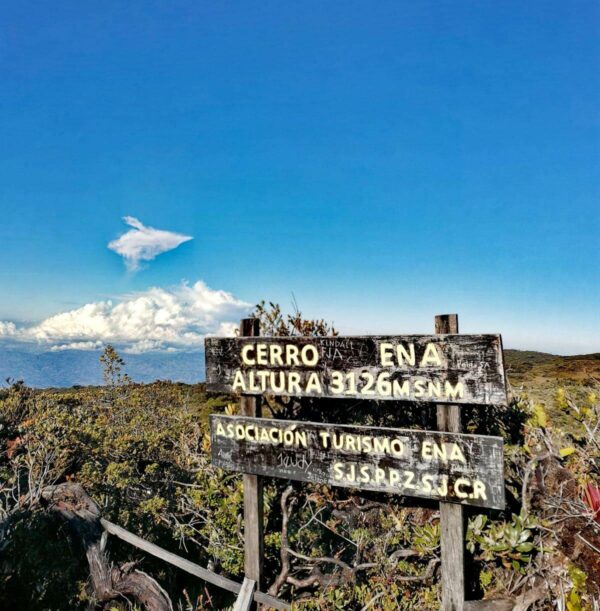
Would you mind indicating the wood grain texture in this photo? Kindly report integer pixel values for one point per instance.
(452, 533)
(253, 486)
(475, 361)
(399, 461)
(246, 596)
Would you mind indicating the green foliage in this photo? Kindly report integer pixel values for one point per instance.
(137, 451)
(486, 578)
(510, 543)
(575, 601)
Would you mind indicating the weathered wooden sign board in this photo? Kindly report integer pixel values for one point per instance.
(466, 469)
(457, 369)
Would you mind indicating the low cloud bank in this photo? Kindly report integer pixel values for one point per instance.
(158, 319)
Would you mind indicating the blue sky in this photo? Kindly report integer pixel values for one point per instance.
(382, 161)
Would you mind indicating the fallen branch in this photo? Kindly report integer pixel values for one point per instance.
(108, 582)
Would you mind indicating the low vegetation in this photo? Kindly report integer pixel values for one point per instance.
(142, 453)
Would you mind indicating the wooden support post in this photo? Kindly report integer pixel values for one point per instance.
(245, 598)
(253, 489)
(452, 538)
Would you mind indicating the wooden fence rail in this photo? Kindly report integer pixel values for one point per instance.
(225, 583)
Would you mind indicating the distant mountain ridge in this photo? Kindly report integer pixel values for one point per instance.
(82, 367)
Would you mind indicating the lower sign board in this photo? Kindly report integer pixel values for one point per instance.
(449, 467)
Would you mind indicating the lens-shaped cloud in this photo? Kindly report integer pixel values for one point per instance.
(144, 243)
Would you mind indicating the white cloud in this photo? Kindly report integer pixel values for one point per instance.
(157, 319)
(7, 329)
(77, 346)
(144, 243)
(148, 345)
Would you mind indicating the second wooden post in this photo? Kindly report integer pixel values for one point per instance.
(253, 488)
(452, 534)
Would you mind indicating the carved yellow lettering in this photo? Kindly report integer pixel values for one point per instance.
(336, 386)
(261, 354)
(419, 389)
(263, 377)
(386, 351)
(276, 355)
(394, 477)
(313, 384)
(458, 484)
(381, 445)
(309, 355)
(439, 452)
(401, 390)
(238, 381)
(435, 389)
(406, 355)
(426, 450)
(442, 490)
(431, 356)
(396, 447)
(479, 490)
(367, 389)
(364, 474)
(454, 392)
(291, 355)
(294, 383)
(426, 483)
(278, 381)
(301, 439)
(456, 453)
(245, 354)
(337, 441)
(384, 386)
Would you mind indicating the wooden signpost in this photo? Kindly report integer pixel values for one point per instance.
(253, 488)
(452, 519)
(447, 369)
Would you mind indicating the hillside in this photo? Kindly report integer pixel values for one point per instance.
(539, 374)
